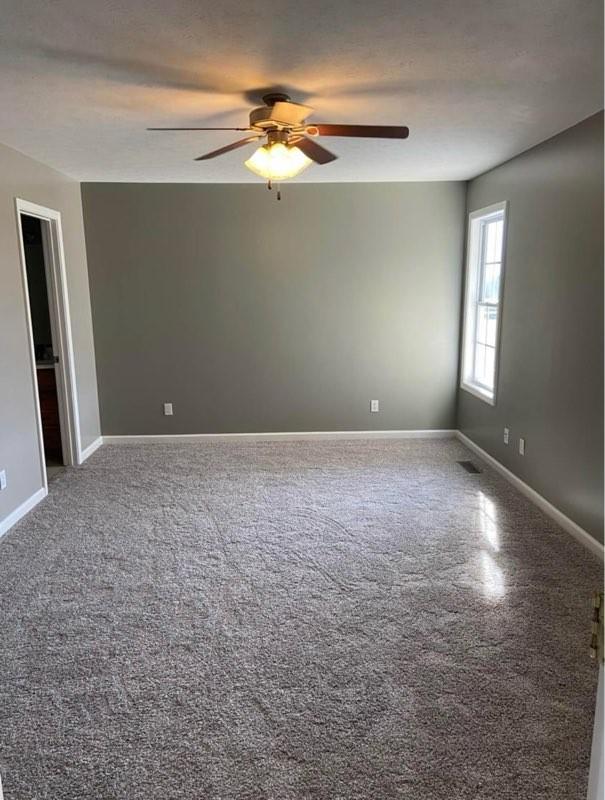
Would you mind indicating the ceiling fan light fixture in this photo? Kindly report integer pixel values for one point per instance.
(277, 161)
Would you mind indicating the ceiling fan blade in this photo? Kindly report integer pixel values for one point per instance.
(228, 148)
(366, 131)
(289, 113)
(314, 151)
(199, 129)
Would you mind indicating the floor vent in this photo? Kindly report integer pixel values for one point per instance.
(469, 467)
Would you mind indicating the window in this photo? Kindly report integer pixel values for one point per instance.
(484, 276)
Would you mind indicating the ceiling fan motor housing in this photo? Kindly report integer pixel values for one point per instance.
(260, 118)
(279, 113)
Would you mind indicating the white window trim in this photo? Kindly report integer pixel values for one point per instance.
(472, 388)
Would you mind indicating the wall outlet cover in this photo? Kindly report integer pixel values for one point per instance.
(374, 406)
(506, 432)
(521, 447)
(168, 409)
(2, 482)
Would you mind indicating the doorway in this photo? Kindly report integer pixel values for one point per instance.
(45, 290)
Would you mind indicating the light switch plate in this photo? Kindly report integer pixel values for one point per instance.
(167, 409)
(374, 406)
(521, 447)
(2, 479)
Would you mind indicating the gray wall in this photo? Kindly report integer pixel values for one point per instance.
(256, 315)
(551, 358)
(29, 180)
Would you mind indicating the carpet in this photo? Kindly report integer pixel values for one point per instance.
(288, 620)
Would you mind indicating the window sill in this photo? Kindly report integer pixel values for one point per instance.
(479, 393)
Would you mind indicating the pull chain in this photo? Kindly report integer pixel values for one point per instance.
(270, 186)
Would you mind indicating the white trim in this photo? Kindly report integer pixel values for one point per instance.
(471, 254)
(59, 306)
(276, 436)
(475, 390)
(495, 208)
(543, 504)
(22, 510)
(596, 777)
(86, 453)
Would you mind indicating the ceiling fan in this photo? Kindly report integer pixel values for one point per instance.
(290, 145)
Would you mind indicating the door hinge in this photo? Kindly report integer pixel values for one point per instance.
(597, 649)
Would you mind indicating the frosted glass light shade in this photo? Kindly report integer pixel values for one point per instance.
(277, 161)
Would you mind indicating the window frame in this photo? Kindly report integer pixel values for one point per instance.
(472, 293)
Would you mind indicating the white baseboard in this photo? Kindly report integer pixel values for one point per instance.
(22, 510)
(543, 504)
(279, 436)
(88, 451)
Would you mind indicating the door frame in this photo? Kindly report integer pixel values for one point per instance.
(58, 302)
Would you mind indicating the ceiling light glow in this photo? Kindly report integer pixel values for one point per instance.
(277, 161)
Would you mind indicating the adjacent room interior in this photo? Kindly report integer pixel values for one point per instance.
(301, 436)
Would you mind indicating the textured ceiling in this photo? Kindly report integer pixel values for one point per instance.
(477, 81)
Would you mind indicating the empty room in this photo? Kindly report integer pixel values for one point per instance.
(301, 421)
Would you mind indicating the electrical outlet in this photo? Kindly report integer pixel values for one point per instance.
(2, 479)
(505, 435)
(521, 447)
(168, 409)
(374, 406)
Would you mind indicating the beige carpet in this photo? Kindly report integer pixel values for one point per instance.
(292, 620)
